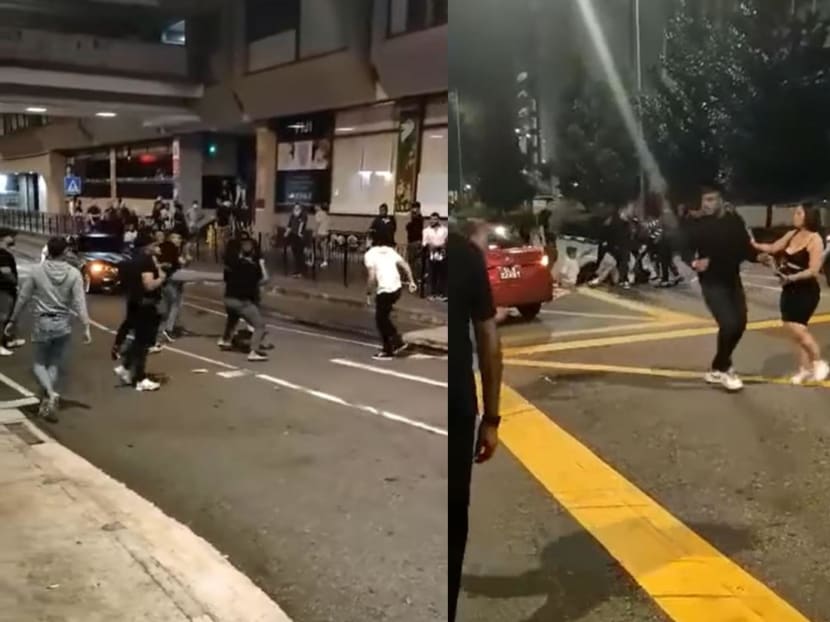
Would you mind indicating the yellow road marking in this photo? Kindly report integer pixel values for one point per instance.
(508, 339)
(639, 307)
(686, 576)
(682, 374)
(645, 337)
(590, 314)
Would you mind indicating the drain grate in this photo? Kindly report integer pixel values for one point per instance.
(22, 431)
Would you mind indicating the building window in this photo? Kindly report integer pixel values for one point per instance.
(432, 177)
(10, 123)
(413, 15)
(363, 174)
(264, 18)
(175, 34)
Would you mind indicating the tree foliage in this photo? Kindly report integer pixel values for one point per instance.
(596, 159)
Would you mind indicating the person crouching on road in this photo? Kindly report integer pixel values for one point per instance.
(57, 291)
(243, 278)
(143, 283)
(383, 261)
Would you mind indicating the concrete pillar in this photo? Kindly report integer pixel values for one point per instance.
(53, 176)
(113, 175)
(265, 192)
(189, 179)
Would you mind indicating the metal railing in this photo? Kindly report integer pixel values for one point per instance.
(42, 223)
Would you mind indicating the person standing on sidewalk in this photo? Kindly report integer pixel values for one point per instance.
(144, 280)
(57, 291)
(435, 245)
(472, 307)
(415, 239)
(383, 226)
(322, 231)
(384, 281)
(243, 278)
(297, 225)
(8, 288)
(718, 243)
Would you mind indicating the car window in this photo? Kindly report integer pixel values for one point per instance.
(501, 236)
(99, 244)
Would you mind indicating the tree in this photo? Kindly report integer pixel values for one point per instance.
(699, 89)
(596, 159)
(781, 141)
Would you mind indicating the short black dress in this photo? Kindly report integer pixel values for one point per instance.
(799, 299)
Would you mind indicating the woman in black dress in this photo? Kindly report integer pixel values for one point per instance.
(800, 255)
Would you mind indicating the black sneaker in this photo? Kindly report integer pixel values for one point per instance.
(401, 348)
(383, 356)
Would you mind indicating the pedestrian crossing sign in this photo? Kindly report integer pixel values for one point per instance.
(72, 185)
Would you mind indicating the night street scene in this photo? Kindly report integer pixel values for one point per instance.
(223, 310)
(645, 190)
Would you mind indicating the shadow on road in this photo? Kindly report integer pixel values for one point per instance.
(576, 574)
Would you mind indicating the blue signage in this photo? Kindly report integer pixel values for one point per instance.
(72, 185)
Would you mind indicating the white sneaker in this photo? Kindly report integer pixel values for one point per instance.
(821, 370)
(147, 385)
(731, 381)
(593, 282)
(713, 377)
(17, 343)
(256, 356)
(124, 374)
(224, 344)
(5, 351)
(155, 349)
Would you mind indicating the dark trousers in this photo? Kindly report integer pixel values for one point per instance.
(622, 256)
(461, 439)
(126, 327)
(384, 303)
(438, 277)
(145, 323)
(727, 304)
(298, 252)
(665, 259)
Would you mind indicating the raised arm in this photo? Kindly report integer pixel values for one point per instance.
(775, 247)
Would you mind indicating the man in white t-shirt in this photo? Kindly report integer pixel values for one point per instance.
(384, 264)
(435, 244)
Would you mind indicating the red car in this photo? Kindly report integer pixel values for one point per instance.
(519, 273)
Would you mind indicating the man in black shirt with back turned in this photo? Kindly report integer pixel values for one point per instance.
(717, 243)
(472, 305)
(8, 287)
(243, 278)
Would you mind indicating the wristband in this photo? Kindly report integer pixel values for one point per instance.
(491, 420)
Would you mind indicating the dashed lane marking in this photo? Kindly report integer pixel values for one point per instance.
(688, 578)
(361, 407)
(389, 372)
(679, 374)
(390, 416)
(601, 342)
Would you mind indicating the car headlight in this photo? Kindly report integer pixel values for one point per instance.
(96, 268)
(545, 260)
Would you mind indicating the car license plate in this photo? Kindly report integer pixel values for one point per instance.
(509, 272)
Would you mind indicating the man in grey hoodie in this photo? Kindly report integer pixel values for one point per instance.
(57, 293)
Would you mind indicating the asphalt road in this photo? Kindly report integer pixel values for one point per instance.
(627, 489)
(320, 476)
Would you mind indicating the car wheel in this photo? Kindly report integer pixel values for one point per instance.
(530, 311)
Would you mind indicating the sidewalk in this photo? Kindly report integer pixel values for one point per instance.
(77, 546)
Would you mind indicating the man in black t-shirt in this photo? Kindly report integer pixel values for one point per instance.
(472, 305)
(383, 226)
(143, 280)
(243, 277)
(8, 287)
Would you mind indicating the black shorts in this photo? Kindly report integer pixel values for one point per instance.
(799, 301)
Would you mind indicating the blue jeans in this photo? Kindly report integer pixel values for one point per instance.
(50, 361)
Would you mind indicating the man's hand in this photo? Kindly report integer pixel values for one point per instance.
(412, 287)
(765, 258)
(700, 265)
(369, 300)
(487, 441)
(8, 330)
(87, 336)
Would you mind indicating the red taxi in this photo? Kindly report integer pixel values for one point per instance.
(519, 273)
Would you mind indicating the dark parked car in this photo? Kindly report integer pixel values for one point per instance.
(98, 256)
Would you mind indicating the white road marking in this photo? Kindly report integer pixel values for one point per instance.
(14, 385)
(362, 407)
(19, 403)
(237, 373)
(419, 356)
(284, 329)
(389, 372)
(296, 387)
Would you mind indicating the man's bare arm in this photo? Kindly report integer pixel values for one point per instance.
(488, 346)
